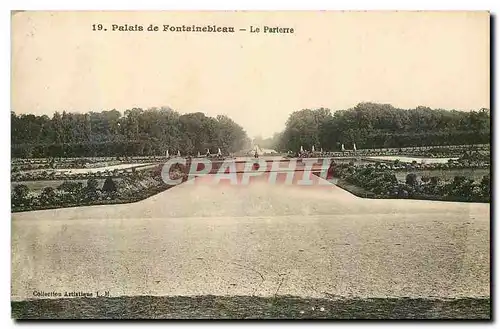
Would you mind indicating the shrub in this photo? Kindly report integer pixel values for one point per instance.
(21, 191)
(458, 180)
(485, 186)
(109, 186)
(91, 189)
(435, 180)
(92, 184)
(48, 195)
(411, 179)
(19, 194)
(70, 187)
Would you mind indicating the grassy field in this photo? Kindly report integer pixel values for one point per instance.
(364, 193)
(247, 307)
(41, 184)
(354, 189)
(476, 174)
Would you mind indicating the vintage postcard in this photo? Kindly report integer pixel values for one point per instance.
(250, 165)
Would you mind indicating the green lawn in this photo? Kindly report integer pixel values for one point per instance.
(248, 307)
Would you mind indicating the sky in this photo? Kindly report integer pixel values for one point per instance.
(333, 59)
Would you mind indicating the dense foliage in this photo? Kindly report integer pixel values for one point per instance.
(137, 132)
(137, 186)
(153, 131)
(372, 125)
(380, 182)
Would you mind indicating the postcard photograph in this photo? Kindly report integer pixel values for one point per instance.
(250, 165)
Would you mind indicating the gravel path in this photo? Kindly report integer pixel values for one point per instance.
(257, 240)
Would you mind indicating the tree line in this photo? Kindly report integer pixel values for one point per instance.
(136, 132)
(371, 125)
(156, 130)
(378, 182)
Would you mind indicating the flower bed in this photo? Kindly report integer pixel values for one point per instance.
(377, 182)
(136, 187)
